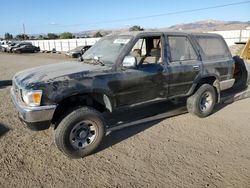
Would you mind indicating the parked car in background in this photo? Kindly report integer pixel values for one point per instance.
(27, 48)
(16, 45)
(6, 44)
(78, 51)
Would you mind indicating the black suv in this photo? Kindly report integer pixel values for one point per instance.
(119, 71)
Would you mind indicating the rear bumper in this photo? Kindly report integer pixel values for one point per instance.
(33, 116)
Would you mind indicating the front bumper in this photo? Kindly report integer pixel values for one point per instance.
(68, 54)
(35, 117)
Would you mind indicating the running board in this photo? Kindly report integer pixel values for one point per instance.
(168, 114)
(228, 98)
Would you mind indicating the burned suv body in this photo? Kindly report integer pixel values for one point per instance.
(122, 71)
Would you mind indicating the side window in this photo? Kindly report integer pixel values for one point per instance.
(212, 47)
(181, 49)
(147, 50)
(139, 48)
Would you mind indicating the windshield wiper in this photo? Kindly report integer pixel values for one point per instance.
(95, 60)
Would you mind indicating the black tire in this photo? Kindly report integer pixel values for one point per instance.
(68, 127)
(74, 55)
(195, 103)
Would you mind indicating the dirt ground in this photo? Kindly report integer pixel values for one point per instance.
(182, 151)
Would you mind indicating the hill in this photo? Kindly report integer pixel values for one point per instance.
(211, 25)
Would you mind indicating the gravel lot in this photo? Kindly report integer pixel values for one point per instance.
(182, 151)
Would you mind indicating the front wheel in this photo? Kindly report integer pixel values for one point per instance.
(202, 102)
(80, 132)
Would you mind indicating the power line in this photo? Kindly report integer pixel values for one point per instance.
(157, 15)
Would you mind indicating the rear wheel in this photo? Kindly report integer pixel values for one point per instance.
(80, 132)
(202, 102)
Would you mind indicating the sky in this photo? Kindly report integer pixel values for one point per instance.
(51, 16)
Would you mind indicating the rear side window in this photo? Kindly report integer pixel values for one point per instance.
(181, 49)
(212, 47)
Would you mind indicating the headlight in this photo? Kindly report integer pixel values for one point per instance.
(32, 98)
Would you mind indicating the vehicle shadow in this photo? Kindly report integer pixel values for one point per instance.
(230, 97)
(5, 83)
(118, 136)
(3, 129)
(141, 112)
(138, 113)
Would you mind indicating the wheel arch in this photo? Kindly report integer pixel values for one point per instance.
(99, 101)
(213, 81)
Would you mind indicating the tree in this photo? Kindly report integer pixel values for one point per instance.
(22, 37)
(136, 28)
(8, 36)
(52, 36)
(32, 37)
(97, 34)
(66, 35)
(40, 37)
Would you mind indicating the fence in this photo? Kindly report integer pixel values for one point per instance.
(63, 44)
(234, 36)
(67, 44)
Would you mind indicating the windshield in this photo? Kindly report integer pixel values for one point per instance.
(107, 49)
(78, 48)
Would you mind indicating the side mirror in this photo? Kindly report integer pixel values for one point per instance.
(129, 62)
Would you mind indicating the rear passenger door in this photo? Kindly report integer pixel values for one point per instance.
(184, 64)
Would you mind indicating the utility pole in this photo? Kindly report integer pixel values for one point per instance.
(23, 31)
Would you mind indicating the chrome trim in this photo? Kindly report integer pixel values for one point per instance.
(226, 84)
(32, 114)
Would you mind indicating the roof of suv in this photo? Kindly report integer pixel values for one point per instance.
(135, 33)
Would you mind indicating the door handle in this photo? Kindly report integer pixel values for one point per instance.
(196, 67)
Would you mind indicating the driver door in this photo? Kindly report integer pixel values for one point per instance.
(145, 81)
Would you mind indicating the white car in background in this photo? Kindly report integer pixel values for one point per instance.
(5, 44)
